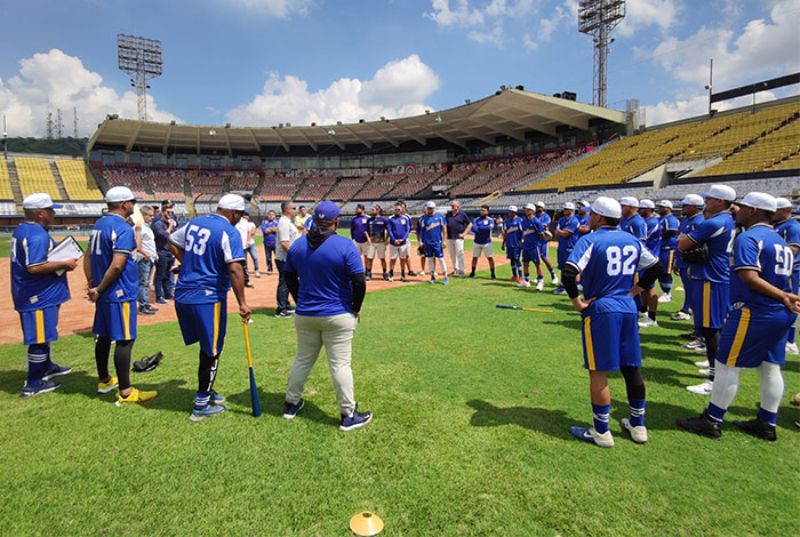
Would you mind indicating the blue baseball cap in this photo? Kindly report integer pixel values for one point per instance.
(327, 210)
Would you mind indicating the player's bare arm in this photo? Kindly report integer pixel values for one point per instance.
(237, 284)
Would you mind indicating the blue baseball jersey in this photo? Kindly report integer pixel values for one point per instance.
(634, 225)
(568, 224)
(761, 249)
(687, 225)
(513, 229)
(716, 233)
(358, 228)
(607, 261)
(113, 235)
(270, 238)
(531, 232)
(583, 221)
(789, 230)
(669, 228)
(377, 228)
(482, 227)
(399, 228)
(545, 219)
(432, 228)
(325, 274)
(30, 245)
(209, 243)
(653, 235)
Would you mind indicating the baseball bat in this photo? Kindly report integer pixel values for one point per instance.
(520, 308)
(254, 402)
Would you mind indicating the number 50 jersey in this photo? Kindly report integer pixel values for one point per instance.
(209, 243)
(607, 261)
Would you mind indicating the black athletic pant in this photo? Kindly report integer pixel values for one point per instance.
(122, 360)
(283, 289)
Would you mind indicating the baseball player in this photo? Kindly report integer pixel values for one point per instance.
(38, 288)
(567, 235)
(582, 207)
(432, 236)
(113, 283)
(482, 228)
(211, 254)
(544, 218)
(692, 212)
(399, 228)
(649, 298)
(532, 233)
(789, 230)
(669, 226)
(377, 241)
(359, 226)
(512, 241)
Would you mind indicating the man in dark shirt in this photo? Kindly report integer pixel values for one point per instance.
(458, 225)
(162, 228)
(377, 233)
(359, 226)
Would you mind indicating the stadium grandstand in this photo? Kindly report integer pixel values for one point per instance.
(512, 147)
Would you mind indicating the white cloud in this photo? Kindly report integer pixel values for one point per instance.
(484, 18)
(564, 14)
(641, 14)
(274, 8)
(53, 80)
(697, 105)
(397, 89)
(462, 15)
(493, 36)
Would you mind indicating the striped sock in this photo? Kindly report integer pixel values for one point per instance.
(201, 400)
(637, 407)
(37, 363)
(600, 415)
(768, 417)
(716, 413)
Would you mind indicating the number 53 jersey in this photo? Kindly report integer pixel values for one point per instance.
(761, 249)
(209, 243)
(607, 261)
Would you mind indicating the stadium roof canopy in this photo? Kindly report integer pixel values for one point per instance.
(509, 113)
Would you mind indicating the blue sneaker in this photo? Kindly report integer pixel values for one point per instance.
(56, 371)
(215, 398)
(41, 387)
(291, 410)
(558, 290)
(588, 434)
(355, 421)
(161, 301)
(445, 281)
(207, 412)
(432, 281)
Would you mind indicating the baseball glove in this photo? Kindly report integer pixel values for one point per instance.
(696, 256)
(421, 250)
(148, 364)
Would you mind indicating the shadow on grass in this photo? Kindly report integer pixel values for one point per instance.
(550, 422)
(574, 324)
(272, 405)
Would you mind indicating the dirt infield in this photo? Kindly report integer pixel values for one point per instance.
(77, 314)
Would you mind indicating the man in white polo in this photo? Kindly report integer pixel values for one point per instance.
(287, 234)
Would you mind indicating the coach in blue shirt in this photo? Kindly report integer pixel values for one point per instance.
(269, 227)
(325, 277)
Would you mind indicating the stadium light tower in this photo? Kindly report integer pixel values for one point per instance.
(139, 57)
(598, 18)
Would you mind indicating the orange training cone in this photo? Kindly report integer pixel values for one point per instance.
(366, 524)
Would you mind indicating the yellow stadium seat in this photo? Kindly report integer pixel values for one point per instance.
(78, 180)
(35, 176)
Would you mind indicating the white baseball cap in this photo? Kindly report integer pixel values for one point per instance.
(693, 199)
(665, 203)
(512, 208)
(608, 207)
(759, 200)
(530, 206)
(783, 203)
(583, 203)
(540, 204)
(232, 202)
(430, 205)
(647, 204)
(40, 200)
(118, 194)
(569, 205)
(630, 201)
(721, 192)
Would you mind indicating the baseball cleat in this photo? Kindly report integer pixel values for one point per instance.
(588, 434)
(356, 420)
(55, 371)
(681, 316)
(791, 348)
(648, 323)
(758, 428)
(666, 297)
(31, 390)
(701, 389)
(702, 364)
(207, 412)
(638, 433)
(137, 397)
(290, 410)
(702, 425)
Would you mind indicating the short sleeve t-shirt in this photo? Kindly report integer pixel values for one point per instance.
(482, 228)
(513, 229)
(531, 230)
(30, 245)
(113, 235)
(568, 224)
(325, 274)
(287, 232)
(269, 238)
(716, 233)
(761, 249)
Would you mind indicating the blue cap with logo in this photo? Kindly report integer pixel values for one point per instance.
(327, 210)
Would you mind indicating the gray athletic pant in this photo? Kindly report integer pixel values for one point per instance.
(336, 333)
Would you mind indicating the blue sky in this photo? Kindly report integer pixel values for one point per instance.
(260, 62)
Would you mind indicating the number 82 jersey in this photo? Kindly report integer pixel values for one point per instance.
(761, 249)
(209, 243)
(608, 261)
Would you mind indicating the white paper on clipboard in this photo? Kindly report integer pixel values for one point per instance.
(65, 250)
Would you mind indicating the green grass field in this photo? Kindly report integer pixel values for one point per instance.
(470, 437)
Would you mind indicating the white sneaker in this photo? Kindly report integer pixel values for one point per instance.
(680, 316)
(643, 316)
(791, 348)
(702, 364)
(555, 280)
(540, 285)
(700, 350)
(521, 284)
(666, 297)
(695, 343)
(701, 389)
(648, 323)
(258, 274)
(421, 273)
(706, 372)
(638, 434)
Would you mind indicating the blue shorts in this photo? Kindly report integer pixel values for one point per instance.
(434, 250)
(204, 323)
(39, 326)
(115, 320)
(543, 249)
(561, 258)
(611, 340)
(710, 303)
(513, 252)
(531, 254)
(667, 258)
(751, 337)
